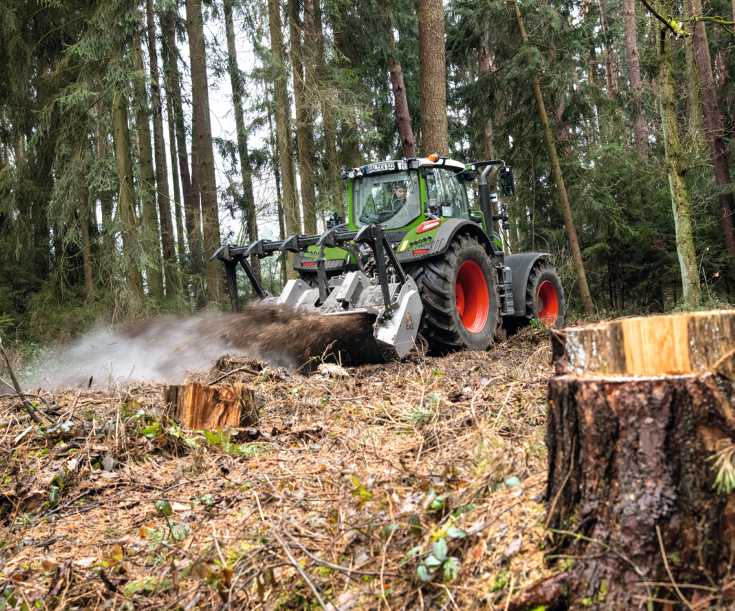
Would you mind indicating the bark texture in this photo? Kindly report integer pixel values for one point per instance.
(405, 132)
(204, 148)
(191, 196)
(630, 487)
(150, 238)
(674, 166)
(126, 196)
(559, 180)
(611, 73)
(159, 150)
(304, 135)
(713, 123)
(248, 198)
(484, 68)
(433, 83)
(283, 129)
(634, 75)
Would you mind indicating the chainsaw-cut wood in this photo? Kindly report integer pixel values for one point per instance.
(200, 406)
(631, 495)
(677, 343)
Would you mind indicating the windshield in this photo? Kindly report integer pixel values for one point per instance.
(390, 200)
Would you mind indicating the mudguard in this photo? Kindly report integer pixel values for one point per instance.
(520, 266)
(444, 236)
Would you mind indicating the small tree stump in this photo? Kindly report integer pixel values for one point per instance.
(637, 411)
(200, 406)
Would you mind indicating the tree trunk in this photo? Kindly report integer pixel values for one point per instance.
(631, 497)
(315, 38)
(159, 149)
(86, 250)
(204, 149)
(349, 137)
(584, 290)
(483, 65)
(634, 76)
(191, 196)
(196, 222)
(303, 120)
(178, 204)
(108, 238)
(611, 74)
(405, 132)
(694, 98)
(433, 78)
(279, 199)
(713, 122)
(150, 237)
(283, 129)
(674, 166)
(248, 198)
(126, 196)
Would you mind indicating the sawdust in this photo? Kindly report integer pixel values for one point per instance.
(344, 489)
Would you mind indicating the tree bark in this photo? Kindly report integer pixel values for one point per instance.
(178, 204)
(631, 494)
(694, 98)
(303, 120)
(405, 132)
(126, 196)
(191, 196)
(433, 78)
(108, 239)
(674, 166)
(204, 147)
(248, 198)
(279, 199)
(150, 237)
(611, 74)
(86, 247)
(483, 65)
(159, 149)
(349, 138)
(315, 38)
(713, 123)
(283, 129)
(584, 290)
(634, 76)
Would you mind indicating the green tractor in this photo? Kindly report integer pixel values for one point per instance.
(414, 253)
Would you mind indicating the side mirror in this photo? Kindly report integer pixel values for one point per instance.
(507, 182)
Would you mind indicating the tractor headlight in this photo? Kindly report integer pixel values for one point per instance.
(414, 164)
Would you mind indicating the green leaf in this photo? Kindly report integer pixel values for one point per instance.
(455, 533)
(438, 502)
(423, 573)
(412, 553)
(432, 562)
(440, 549)
(164, 508)
(512, 482)
(451, 569)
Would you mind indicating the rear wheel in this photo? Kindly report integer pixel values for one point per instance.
(545, 295)
(459, 292)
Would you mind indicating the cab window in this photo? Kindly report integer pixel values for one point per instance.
(447, 194)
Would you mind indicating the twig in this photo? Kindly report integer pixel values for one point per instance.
(671, 25)
(668, 570)
(227, 375)
(301, 571)
(28, 405)
(334, 566)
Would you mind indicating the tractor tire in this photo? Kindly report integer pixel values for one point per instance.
(545, 296)
(459, 292)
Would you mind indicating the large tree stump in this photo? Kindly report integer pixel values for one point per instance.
(201, 406)
(637, 411)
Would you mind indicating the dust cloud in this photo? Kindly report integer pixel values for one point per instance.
(168, 349)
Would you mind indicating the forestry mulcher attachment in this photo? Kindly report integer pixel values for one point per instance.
(414, 254)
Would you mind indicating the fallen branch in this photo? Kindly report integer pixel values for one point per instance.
(28, 405)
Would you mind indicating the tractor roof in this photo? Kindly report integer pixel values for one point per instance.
(400, 165)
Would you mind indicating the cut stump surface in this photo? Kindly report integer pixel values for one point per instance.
(202, 407)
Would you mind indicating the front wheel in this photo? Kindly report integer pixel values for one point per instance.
(545, 296)
(459, 292)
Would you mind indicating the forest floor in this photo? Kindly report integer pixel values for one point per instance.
(411, 485)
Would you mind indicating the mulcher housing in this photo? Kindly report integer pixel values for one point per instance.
(416, 255)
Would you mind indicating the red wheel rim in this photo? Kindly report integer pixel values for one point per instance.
(472, 297)
(547, 303)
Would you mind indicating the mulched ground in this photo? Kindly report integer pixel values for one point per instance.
(412, 485)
